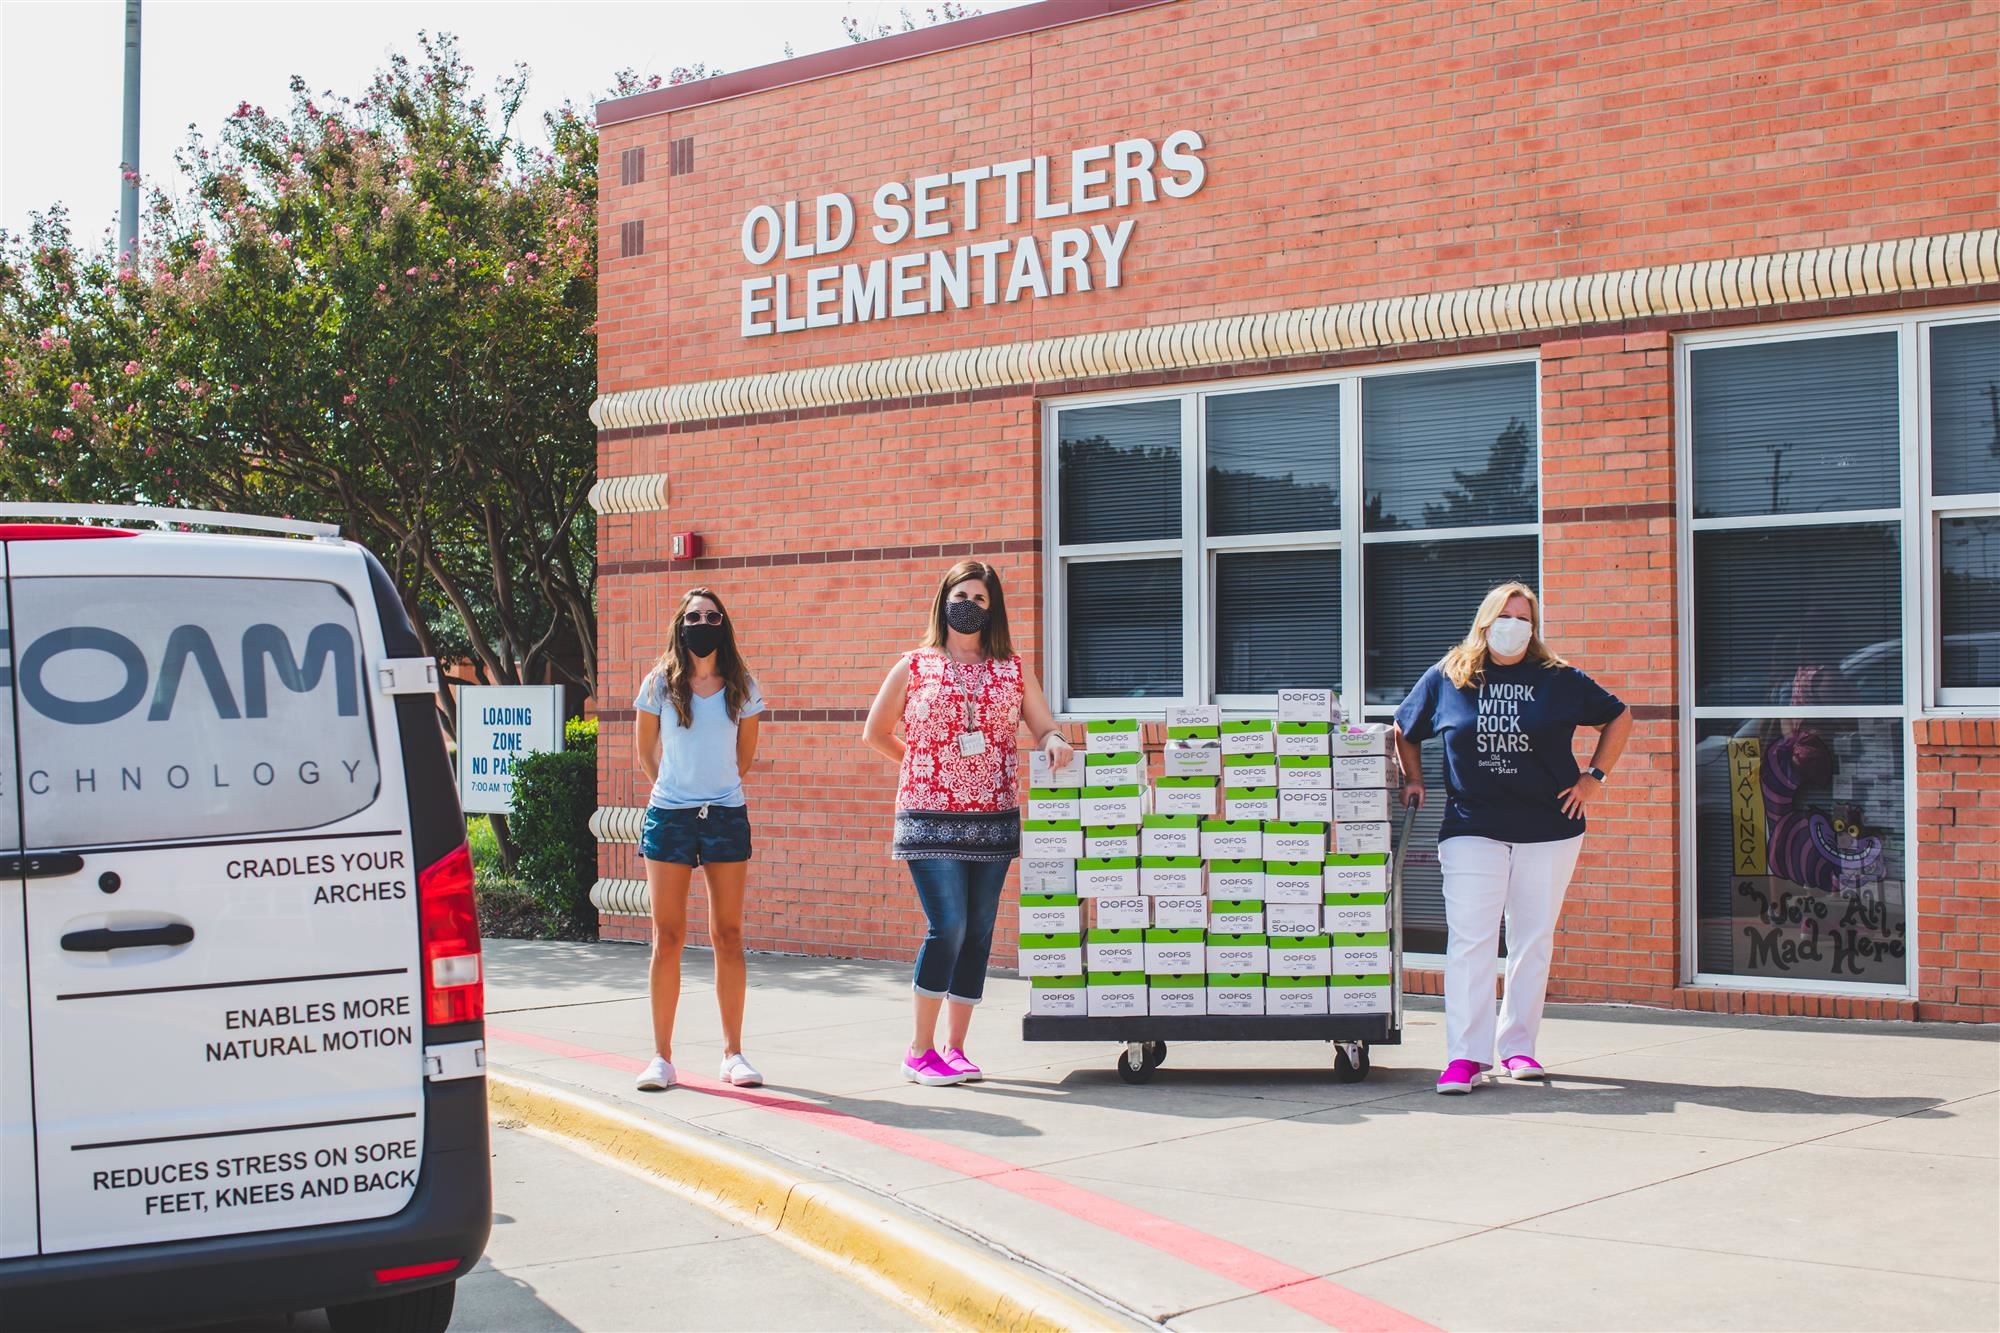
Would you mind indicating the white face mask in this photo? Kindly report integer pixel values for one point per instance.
(1509, 635)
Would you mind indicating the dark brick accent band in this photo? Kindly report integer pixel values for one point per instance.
(1626, 513)
(926, 551)
(605, 715)
(1656, 712)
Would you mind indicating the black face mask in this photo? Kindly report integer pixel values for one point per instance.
(701, 640)
(966, 616)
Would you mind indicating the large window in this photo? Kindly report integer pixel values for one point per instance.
(1842, 493)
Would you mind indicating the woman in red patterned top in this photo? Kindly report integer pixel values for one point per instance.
(962, 698)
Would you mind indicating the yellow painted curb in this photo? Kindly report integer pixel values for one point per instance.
(949, 1279)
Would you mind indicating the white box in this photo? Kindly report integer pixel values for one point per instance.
(1306, 807)
(1235, 995)
(1057, 997)
(1127, 768)
(1191, 759)
(1042, 773)
(1174, 952)
(1100, 841)
(1114, 805)
(1304, 740)
(1111, 950)
(1361, 839)
(1052, 918)
(1359, 995)
(1051, 839)
(1247, 955)
(1163, 834)
(1362, 738)
(1357, 874)
(1305, 705)
(1108, 877)
(1362, 770)
(1232, 839)
(1300, 956)
(1118, 995)
(1293, 882)
(1042, 875)
(1291, 918)
(1112, 735)
(1361, 805)
(1194, 715)
(1048, 955)
(1236, 878)
(1054, 803)
(1360, 955)
(1250, 770)
(1177, 996)
(1180, 913)
(1305, 772)
(1170, 876)
(1356, 913)
(1258, 803)
(1282, 999)
(1248, 737)
(1185, 796)
(1123, 913)
(1294, 842)
(1235, 916)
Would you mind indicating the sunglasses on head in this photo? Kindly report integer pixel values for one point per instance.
(700, 617)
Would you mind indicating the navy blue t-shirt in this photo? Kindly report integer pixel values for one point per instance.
(1507, 741)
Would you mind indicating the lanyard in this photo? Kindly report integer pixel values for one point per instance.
(970, 709)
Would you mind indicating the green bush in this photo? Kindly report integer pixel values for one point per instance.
(556, 856)
(580, 732)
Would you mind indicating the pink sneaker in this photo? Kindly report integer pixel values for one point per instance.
(1523, 1067)
(955, 1058)
(1458, 1077)
(930, 1070)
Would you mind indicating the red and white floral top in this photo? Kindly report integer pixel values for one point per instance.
(937, 777)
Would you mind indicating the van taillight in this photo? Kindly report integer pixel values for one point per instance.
(450, 923)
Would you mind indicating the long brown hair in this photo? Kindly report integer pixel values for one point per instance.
(676, 665)
(1468, 661)
(994, 640)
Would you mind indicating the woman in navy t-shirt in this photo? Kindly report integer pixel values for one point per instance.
(1507, 709)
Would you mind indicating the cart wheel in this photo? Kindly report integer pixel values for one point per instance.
(1156, 1054)
(1126, 1070)
(1350, 1061)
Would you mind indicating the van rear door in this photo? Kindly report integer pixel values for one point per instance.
(224, 992)
(17, 1102)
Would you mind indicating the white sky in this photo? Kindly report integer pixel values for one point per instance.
(62, 66)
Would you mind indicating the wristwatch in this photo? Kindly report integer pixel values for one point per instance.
(1595, 772)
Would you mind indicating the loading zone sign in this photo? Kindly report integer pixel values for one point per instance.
(498, 727)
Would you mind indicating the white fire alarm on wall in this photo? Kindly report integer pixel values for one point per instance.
(686, 546)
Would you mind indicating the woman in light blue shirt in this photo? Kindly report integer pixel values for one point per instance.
(695, 736)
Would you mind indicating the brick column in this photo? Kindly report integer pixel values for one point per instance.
(1956, 918)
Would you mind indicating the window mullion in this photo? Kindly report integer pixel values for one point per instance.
(1354, 618)
(1196, 597)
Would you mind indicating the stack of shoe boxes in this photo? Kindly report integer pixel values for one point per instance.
(1357, 869)
(1051, 942)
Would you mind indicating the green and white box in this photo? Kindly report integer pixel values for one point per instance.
(1356, 913)
(1170, 835)
(1293, 882)
(1235, 916)
(1258, 803)
(1233, 840)
(1112, 735)
(1363, 770)
(1241, 878)
(1107, 877)
(1305, 705)
(1249, 770)
(1048, 875)
(1196, 722)
(1049, 955)
(1304, 738)
(1305, 772)
(1233, 993)
(1122, 913)
(1043, 773)
(1177, 995)
(1301, 955)
(1367, 872)
(1292, 918)
(1361, 805)
(1051, 839)
(1170, 876)
(1186, 795)
(1294, 995)
(1238, 953)
(1294, 842)
(1248, 737)
(1173, 952)
(1057, 997)
(1362, 738)
(1361, 954)
(1101, 840)
(1361, 839)
(1312, 805)
(1348, 994)
(1126, 768)
(1180, 913)
(1116, 994)
(1114, 805)
(1107, 950)
(1191, 759)
(1055, 803)
(1051, 914)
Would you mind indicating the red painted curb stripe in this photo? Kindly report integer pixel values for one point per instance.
(1328, 1302)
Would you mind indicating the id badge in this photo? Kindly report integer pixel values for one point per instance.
(971, 743)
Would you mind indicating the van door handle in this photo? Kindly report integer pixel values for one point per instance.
(39, 865)
(104, 941)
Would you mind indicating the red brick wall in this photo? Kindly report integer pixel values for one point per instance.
(1958, 863)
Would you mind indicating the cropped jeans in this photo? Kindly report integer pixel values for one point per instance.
(961, 900)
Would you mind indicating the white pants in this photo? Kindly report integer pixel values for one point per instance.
(1484, 881)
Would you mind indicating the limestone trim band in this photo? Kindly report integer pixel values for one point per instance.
(630, 495)
(1829, 273)
(622, 897)
(618, 823)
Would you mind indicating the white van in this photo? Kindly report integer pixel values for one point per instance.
(242, 1060)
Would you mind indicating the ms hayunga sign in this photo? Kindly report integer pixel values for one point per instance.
(1073, 258)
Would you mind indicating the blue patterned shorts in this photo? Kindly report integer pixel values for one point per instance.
(696, 837)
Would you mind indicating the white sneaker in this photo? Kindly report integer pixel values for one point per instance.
(740, 1072)
(657, 1077)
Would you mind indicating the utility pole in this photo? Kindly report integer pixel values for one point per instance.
(128, 193)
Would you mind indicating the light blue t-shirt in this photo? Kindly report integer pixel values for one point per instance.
(697, 763)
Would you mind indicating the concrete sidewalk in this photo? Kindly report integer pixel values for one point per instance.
(1682, 1171)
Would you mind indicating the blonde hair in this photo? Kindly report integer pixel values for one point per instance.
(1467, 662)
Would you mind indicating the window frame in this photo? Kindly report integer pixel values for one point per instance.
(1940, 699)
(1198, 551)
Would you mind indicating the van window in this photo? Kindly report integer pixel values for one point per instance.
(165, 708)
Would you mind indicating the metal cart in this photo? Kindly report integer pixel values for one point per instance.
(1145, 1037)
